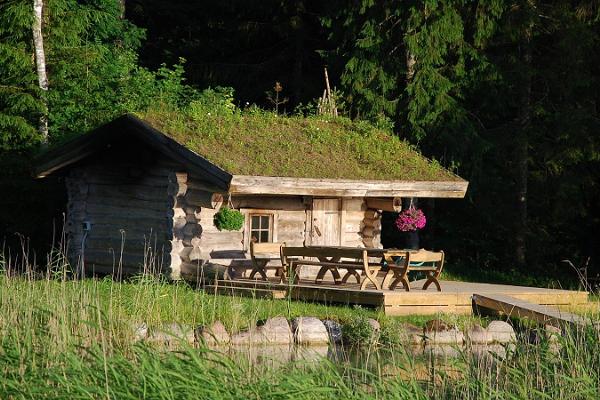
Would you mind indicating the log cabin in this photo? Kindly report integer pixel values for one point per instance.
(143, 190)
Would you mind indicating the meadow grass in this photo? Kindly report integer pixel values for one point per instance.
(62, 338)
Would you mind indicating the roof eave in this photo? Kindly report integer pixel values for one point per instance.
(267, 185)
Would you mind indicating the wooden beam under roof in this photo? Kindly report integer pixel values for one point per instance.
(246, 184)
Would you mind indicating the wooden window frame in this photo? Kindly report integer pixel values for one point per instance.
(249, 213)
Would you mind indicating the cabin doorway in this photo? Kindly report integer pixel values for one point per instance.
(326, 222)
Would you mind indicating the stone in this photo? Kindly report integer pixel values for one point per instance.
(171, 334)
(276, 331)
(272, 331)
(375, 325)
(334, 329)
(501, 332)
(436, 325)
(214, 334)
(478, 335)
(553, 333)
(310, 331)
(439, 332)
(140, 332)
(410, 334)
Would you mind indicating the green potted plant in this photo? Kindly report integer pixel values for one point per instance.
(228, 219)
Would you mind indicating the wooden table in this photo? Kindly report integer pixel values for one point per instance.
(337, 278)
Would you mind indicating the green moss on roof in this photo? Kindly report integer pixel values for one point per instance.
(262, 143)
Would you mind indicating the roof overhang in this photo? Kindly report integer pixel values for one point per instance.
(245, 184)
(106, 135)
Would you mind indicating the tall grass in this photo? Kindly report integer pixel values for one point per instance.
(61, 338)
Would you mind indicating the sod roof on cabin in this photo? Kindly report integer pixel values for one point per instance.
(314, 147)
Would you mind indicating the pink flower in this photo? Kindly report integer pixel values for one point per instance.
(411, 219)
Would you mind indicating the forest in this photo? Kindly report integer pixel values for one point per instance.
(505, 93)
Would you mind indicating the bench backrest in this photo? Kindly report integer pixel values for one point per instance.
(258, 249)
(426, 256)
(355, 254)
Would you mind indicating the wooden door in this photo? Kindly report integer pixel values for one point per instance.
(326, 222)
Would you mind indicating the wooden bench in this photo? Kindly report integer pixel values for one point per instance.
(401, 262)
(262, 254)
(331, 260)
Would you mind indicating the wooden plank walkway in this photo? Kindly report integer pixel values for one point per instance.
(514, 307)
(455, 298)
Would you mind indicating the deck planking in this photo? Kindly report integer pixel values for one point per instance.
(455, 298)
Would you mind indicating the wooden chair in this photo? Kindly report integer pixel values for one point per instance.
(262, 254)
(400, 263)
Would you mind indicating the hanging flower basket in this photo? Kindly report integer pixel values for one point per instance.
(411, 220)
(227, 219)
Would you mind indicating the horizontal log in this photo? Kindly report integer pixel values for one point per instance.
(353, 204)
(143, 180)
(177, 189)
(132, 191)
(393, 204)
(198, 184)
(154, 204)
(135, 231)
(97, 210)
(126, 259)
(203, 198)
(177, 177)
(269, 202)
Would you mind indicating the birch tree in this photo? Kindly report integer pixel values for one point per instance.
(40, 61)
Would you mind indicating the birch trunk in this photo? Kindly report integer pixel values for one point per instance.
(40, 62)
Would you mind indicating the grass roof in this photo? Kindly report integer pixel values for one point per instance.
(265, 144)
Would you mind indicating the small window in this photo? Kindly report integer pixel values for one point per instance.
(261, 228)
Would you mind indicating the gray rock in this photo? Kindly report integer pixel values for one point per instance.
(553, 333)
(436, 325)
(478, 335)
(439, 332)
(501, 332)
(172, 334)
(334, 329)
(214, 334)
(276, 331)
(450, 336)
(309, 331)
(140, 331)
(272, 331)
(410, 334)
(375, 325)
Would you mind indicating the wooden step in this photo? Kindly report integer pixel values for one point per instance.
(514, 307)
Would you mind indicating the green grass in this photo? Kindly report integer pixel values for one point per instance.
(64, 339)
(263, 143)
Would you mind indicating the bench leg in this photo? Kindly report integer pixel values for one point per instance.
(400, 276)
(334, 272)
(432, 278)
(351, 272)
(370, 276)
(259, 271)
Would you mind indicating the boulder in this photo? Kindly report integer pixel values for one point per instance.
(140, 331)
(375, 325)
(276, 331)
(553, 333)
(310, 331)
(334, 329)
(439, 332)
(436, 325)
(214, 334)
(272, 331)
(410, 334)
(501, 332)
(171, 334)
(478, 335)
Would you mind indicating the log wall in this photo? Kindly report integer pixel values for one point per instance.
(129, 212)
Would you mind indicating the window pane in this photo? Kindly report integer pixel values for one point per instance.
(264, 236)
(264, 222)
(255, 222)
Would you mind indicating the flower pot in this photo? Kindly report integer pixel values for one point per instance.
(412, 240)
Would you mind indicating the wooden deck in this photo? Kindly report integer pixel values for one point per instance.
(456, 297)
